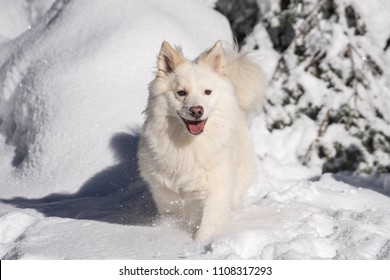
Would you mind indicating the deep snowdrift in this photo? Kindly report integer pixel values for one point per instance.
(72, 89)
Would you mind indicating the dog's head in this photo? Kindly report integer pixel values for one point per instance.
(191, 89)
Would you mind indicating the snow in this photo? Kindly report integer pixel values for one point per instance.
(72, 91)
(377, 25)
(68, 90)
(315, 84)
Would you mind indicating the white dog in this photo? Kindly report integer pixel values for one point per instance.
(195, 151)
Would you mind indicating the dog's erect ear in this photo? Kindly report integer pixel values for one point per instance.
(168, 59)
(215, 57)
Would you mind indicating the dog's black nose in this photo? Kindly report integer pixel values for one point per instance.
(196, 111)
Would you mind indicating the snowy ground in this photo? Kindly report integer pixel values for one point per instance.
(72, 89)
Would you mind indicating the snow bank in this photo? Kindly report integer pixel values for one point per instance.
(78, 79)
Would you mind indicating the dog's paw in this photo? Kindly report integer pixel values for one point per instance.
(203, 234)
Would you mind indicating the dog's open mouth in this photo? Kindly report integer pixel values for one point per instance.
(195, 127)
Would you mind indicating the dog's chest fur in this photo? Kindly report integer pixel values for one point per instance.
(184, 161)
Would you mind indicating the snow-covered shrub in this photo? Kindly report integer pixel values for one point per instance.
(330, 74)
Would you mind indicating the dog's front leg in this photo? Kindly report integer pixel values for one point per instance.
(217, 205)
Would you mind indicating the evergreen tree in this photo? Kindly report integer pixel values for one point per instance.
(331, 75)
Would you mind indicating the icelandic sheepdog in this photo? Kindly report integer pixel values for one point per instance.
(195, 151)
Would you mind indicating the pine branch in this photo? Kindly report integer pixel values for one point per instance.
(317, 56)
(320, 133)
(301, 30)
(353, 69)
(365, 59)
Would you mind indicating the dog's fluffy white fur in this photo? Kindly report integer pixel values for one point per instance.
(195, 152)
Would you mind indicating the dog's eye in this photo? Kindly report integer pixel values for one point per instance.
(208, 91)
(181, 93)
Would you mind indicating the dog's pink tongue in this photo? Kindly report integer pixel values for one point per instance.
(196, 127)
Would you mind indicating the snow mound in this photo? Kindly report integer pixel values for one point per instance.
(78, 79)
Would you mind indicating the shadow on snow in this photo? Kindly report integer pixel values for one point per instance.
(116, 194)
